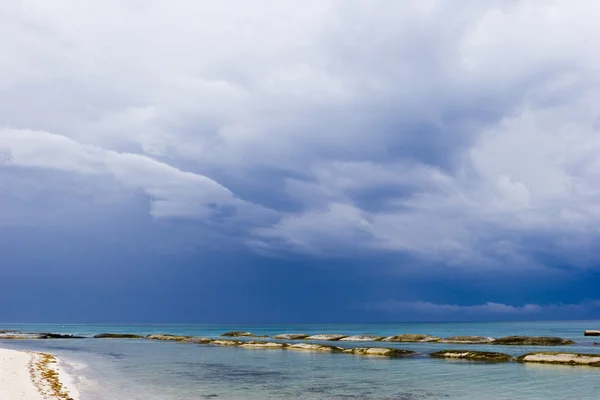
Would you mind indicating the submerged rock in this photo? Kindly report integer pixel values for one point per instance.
(363, 338)
(315, 347)
(46, 335)
(326, 336)
(591, 333)
(411, 337)
(532, 341)
(117, 336)
(590, 360)
(291, 336)
(380, 352)
(168, 337)
(468, 340)
(263, 345)
(487, 356)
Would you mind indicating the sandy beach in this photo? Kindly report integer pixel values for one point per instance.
(33, 376)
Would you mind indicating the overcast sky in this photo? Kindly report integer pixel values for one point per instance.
(299, 161)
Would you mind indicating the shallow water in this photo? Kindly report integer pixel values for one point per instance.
(141, 369)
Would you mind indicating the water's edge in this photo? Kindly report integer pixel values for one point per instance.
(143, 369)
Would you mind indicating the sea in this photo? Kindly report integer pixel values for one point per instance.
(138, 369)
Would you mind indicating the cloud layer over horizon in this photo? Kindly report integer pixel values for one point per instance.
(431, 142)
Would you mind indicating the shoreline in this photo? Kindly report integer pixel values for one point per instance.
(28, 375)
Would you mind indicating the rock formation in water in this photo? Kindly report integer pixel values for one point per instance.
(590, 360)
(380, 352)
(591, 333)
(487, 356)
(314, 347)
(10, 334)
(197, 340)
(532, 341)
(263, 345)
(411, 337)
(168, 337)
(363, 338)
(46, 335)
(291, 336)
(326, 336)
(241, 334)
(18, 336)
(226, 342)
(117, 336)
(468, 340)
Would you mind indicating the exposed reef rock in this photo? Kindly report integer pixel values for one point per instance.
(168, 337)
(18, 336)
(241, 334)
(363, 338)
(197, 340)
(326, 336)
(291, 336)
(315, 347)
(263, 345)
(592, 333)
(590, 360)
(410, 337)
(532, 341)
(468, 340)
(486, 356)
(226, 342)
(46, 335)
(43, 335)
(380, 352)
(117, 336)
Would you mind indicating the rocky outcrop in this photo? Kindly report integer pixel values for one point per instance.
(117, 336)
(46, 335)
(486, 356)
(167, 337)
(326, 336)
(532, 341)
(591, 333)
(226, 342)
(315, 347)
(363, 338)
(14, 335)
(468, 340)
(263, 345)
(291, 336)
(590, 360)
(380, 352)
(18, 336)
(411, 337)
(240, 334)
(197, 340)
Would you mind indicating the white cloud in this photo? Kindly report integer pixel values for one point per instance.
(173, 192)
(454, 133)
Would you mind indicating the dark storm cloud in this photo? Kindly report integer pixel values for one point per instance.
(406, 137)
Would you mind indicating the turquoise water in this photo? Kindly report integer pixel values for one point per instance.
(141, 369)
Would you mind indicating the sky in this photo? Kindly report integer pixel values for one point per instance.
(299, 161)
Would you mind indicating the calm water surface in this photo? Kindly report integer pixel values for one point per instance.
(140, 369)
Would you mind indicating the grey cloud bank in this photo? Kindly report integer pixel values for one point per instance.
(463, 135)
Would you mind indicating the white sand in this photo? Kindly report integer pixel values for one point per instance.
(16, 381)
